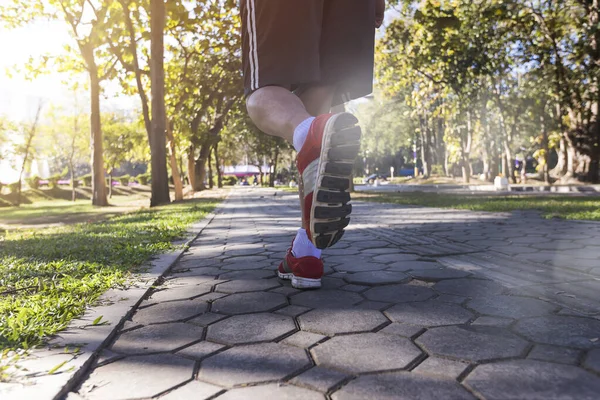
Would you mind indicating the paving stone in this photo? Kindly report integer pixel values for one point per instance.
(193, 390)
(247, 285)
(399, 293)
(372, 305)
(200, 350)
(429, 313)
(334, 321)
(377, 278)
(318, 378)
(265, 264)
(176, 280)
(354, 288)
(206, 319)
(186, 273)
(241, 329)
(183, 292)
(405, 266)
(253, 364)
(272, 391)
(358, 266)
(380, 250)
(400, 329)
(555, 354)
(592, 360)
(285, 290)
(401, 385)
(367, 242)
(242, 303)
(200, 261)
(450, 298)
(533, 380)
(292, 311)
(157, 338)
(561, 331)
(365, 352)
(169, 312)
(438, 274)
(247, 274)
(469, 287)
(244, 251)
(472, 344)
(326, 299)
(303, 339)
(328, 282)
(147, 376)
(493, 321)
(441, 367)
(392, 258)
(510, 306)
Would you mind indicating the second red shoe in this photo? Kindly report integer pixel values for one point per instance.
(304, 272)
(325, 163)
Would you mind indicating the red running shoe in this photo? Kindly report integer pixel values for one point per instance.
(305, 272)
(325, 164)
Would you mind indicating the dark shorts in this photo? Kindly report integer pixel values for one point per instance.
(299, 43)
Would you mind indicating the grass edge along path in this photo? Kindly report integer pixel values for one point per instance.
(48, 277)
(550, 206)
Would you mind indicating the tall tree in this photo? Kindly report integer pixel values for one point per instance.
(160, 182)
(88, 21)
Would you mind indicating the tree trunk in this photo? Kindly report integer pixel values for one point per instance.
(72, 168)
(273, 173)
(160, 181)
(218, 166)
(191, 167)
(98, 178)
(174, 167)
(571, 158)
(110, 185)
(545, 172)
(466, 153)
(200, 168)
(210, 171)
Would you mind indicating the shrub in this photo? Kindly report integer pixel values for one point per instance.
(33, 182)
(124, 180)
(87, 180)
(437, 169)
(75, 182)
(13, 187)
(143, 179)
(230, 180)
(53, 181)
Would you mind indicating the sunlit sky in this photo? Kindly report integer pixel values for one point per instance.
(19, 97)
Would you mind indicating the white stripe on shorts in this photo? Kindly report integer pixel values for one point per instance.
(251, 22)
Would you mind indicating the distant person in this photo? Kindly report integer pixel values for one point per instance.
(301, 57)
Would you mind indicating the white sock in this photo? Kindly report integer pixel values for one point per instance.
(303, 247)
(301, 132)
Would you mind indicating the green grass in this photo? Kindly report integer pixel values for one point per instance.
(46, 207)
(49, 276)
(568, 207)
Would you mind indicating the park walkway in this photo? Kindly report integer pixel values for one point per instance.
(417, 304)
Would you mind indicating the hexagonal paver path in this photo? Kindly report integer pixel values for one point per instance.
(157, 338)
(250, 328)
(272, 391)
(335, 321)
(474, 344)
(253, 364)
(416, 304)
(536, 380)
(401, 385)
(511, 307)
(366, 352)
(242, 303)
(147, 376)
(429, 313)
